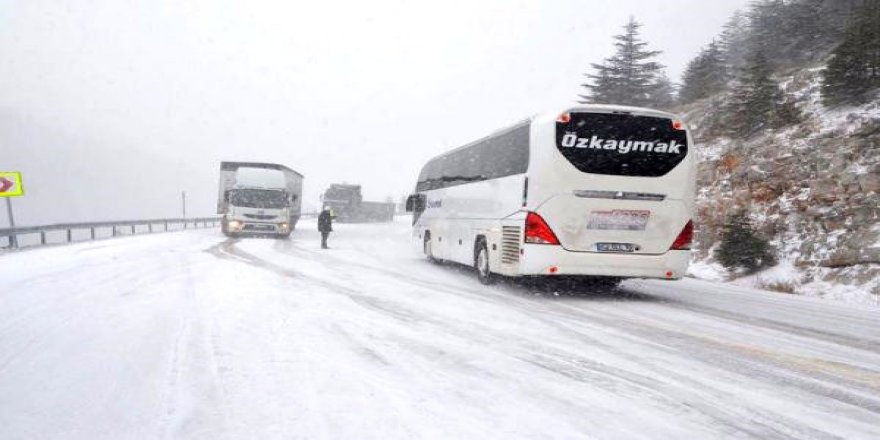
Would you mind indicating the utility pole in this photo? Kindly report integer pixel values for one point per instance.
(13, 239)
(183, 203)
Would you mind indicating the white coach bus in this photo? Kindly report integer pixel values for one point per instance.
(605, 192)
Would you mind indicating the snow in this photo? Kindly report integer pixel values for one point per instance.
(855, 294)
(783, 273)
(785, 277)
(191, 335)
(706, 271)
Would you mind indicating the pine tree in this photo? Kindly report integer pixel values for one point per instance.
(853, 71)
(662, 94)
(803, 23)
(629, 77)
(757, 102)
(732, 41)
(741, 248)
(705, 75)
(603, 89)
(766, 31)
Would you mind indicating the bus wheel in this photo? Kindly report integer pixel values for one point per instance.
(602, 284)
(481, 263)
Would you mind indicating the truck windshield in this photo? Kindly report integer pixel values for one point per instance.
(258, 198)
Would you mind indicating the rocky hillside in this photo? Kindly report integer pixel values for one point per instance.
(813, 188)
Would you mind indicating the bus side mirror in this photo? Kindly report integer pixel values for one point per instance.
(415, 202)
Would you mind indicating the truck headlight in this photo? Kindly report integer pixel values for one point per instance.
(283, 226)
(234, 224)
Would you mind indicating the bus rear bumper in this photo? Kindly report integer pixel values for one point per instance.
(554, 260)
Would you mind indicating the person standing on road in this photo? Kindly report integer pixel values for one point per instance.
(325, 226)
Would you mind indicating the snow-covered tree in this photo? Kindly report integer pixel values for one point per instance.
(766, 31)
(853, 71)
(757, 102)
(705, 75)
(662, 95)
(732, 41)
(741, 248)
(630, 76)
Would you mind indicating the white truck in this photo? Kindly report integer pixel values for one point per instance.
(259, 198)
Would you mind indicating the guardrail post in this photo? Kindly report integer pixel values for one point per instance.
(43, 237)
(166, 226)
(93, 233)
(132, 229)
(69, 235)
(150, 227)
(114, 230)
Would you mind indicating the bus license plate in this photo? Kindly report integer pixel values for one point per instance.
(619, 219)
(615, 247)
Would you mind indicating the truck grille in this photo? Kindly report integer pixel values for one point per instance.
(510, 238)
(260, 216)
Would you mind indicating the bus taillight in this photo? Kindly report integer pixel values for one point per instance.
(677, 125)
(564, 118)
(538, 232)
(684, 239)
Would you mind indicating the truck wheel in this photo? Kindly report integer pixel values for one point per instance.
(283, 236)
(481, 263)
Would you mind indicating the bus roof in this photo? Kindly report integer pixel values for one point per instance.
(607, 108)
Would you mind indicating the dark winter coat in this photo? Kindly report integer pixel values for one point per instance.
(325, 222)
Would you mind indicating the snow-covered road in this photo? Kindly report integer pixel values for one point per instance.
(191, 335)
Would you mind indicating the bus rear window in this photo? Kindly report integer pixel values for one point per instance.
(621, 144)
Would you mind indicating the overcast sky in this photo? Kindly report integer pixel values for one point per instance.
(111, 108)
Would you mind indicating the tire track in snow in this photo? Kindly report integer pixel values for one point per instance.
(694, 394)
(620, 377)
(192, 385)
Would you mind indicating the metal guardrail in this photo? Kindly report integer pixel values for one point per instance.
(162, 225)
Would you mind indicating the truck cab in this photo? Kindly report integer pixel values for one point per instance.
(258, 198)
(258, 210)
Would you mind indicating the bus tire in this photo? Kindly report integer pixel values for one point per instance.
(481, 262)
(602, 284)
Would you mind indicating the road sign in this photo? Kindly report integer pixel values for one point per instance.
(10, 184)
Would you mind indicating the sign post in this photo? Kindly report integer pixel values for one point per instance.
(10, 186)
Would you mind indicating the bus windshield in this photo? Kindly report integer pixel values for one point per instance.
(621, 144)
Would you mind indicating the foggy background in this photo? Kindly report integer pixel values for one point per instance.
(111, 109)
